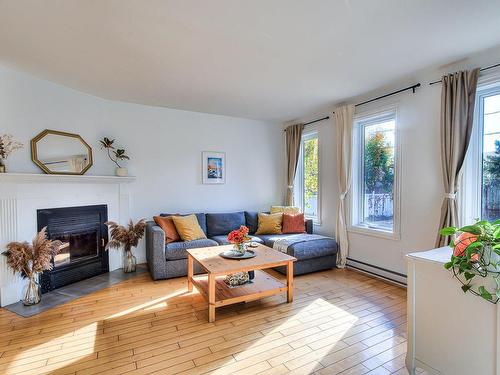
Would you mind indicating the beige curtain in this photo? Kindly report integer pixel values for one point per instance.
(293, 137)
(343, 124)
(457, 110)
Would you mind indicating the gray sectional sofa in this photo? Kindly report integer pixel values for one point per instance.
(165, 261)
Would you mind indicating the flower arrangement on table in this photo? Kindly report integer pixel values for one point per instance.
(238, 238)
(475, 261)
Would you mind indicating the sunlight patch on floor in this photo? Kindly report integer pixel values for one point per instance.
(150, 305)
(61, 358)
(332, 335)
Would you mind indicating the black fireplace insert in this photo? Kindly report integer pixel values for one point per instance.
(84, 237)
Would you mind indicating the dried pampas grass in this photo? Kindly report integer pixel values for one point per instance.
(127, 237)
(30, 259)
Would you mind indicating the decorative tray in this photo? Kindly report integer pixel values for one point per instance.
(230, 254)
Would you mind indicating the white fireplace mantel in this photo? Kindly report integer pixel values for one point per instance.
(51, 178)
(22, 194)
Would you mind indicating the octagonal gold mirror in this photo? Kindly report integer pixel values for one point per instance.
(58, 152)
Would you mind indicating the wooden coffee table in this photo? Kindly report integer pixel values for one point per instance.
(218, 293)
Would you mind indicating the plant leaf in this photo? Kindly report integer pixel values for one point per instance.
(468, 276)
(474, 245)
(448, 265)
(484, 293)
(448, 231)
(474, 229)
(465, 288)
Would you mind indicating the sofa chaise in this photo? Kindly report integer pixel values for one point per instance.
(165, 261)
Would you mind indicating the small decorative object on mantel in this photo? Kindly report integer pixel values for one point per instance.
(213, 167)
(30, 261)
(476, 252)
(114, 155)
(7, 146)
(128, 238)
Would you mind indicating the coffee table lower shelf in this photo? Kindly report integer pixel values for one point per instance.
(263, 285)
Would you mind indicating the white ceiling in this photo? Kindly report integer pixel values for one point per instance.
(263, 59)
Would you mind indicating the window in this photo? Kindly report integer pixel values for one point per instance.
(490, 192)
(306, 186)
(481, 181)
(374, 191)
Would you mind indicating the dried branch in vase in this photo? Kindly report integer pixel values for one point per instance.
(8, 145)
(127, 237)
(30, 259)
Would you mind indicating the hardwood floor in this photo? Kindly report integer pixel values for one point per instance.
(340, 322)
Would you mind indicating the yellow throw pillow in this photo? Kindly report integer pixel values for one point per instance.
(270, 224)
(188, 227)
(285, 210)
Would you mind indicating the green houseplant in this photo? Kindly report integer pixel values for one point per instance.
(115, 155)
(475, 261)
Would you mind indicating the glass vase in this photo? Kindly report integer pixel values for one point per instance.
(129, 262)
(32, 293)
(3, 166)
(240, 248)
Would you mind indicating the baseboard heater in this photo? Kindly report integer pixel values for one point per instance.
(383, 273)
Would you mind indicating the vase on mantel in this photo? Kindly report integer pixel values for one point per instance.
(3, 166)
(121, 172)
(32, 293)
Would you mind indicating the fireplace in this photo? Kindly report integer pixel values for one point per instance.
(84, 236)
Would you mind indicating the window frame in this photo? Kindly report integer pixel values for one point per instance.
(307, 134)
(469, 195)
(355, 196)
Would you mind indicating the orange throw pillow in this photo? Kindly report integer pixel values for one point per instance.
(294, 223)
(167, 224)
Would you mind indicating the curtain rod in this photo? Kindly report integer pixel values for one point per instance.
(412, 88)
(481, 70)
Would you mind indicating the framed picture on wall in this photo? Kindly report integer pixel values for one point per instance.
(214, 167)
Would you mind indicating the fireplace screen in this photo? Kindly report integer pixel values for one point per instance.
(76, 247)
(84, 236)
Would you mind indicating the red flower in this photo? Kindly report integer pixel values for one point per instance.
(238, 236)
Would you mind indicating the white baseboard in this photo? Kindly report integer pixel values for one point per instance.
(378, 272)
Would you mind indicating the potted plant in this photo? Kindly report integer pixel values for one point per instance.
(127, 238)
(475, 261)
(29, 260)
(114, 155)
(7, 146)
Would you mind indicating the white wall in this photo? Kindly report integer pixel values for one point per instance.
(421, 179)
(165, 147)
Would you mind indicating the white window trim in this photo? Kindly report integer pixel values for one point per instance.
(469, 192)
(353, 197)
(308, 133)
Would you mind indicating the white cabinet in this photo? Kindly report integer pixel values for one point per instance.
(449, 332)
